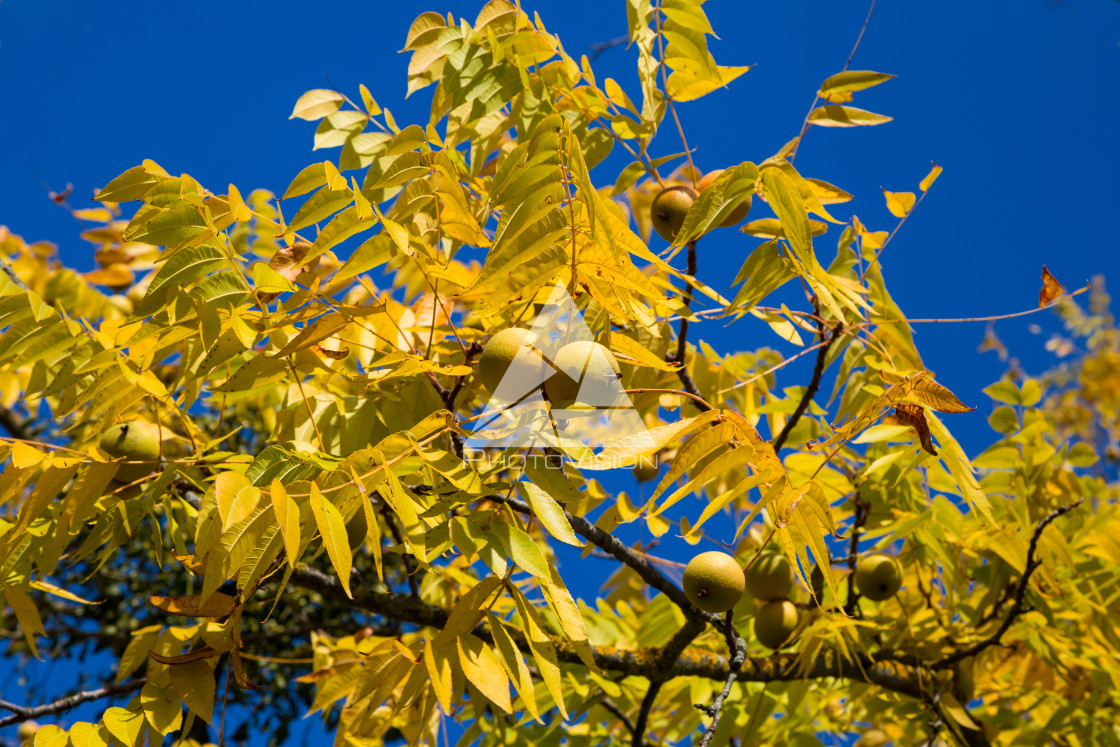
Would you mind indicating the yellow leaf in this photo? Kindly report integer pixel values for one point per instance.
(59, 592)
(838, 88)
(191, 605)
(938, 398)
(116, 275)
(242, 507)
(287, 516)
(484, 671)
(827, 194)
(514, 665)
(549, 512)
(161, 708)
(438, 665)
(931, 177)
(899, 203)
(845, 116)
(26, 614)
(333, 529)
(194, 681)
(317, 104)
(125, 725)
(227, 486)
(24, 455)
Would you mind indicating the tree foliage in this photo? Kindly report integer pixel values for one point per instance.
(312, 535)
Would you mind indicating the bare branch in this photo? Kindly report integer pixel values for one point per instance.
(827, 338)
(682, 337)
(26, 713)
(639, 729)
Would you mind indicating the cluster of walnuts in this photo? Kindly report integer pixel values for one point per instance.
(714, 582)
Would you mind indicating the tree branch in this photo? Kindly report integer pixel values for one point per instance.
(639, 730)
(1020, 593)
(26, 713)
(738, 651)
(827, 338)
(899, 678)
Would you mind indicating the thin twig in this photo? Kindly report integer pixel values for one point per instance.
(611, 707)
(738, 650)
(817, 97)
(682, 337)
(26, 713)
(827, 338)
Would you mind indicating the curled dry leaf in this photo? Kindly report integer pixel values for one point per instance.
(915, 417)
(1051, 288)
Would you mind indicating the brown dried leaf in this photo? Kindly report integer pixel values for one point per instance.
(216, 605)
(915, 417)
(239, 675)
(1051, 288)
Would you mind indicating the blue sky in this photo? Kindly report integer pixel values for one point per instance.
(1016, 99)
